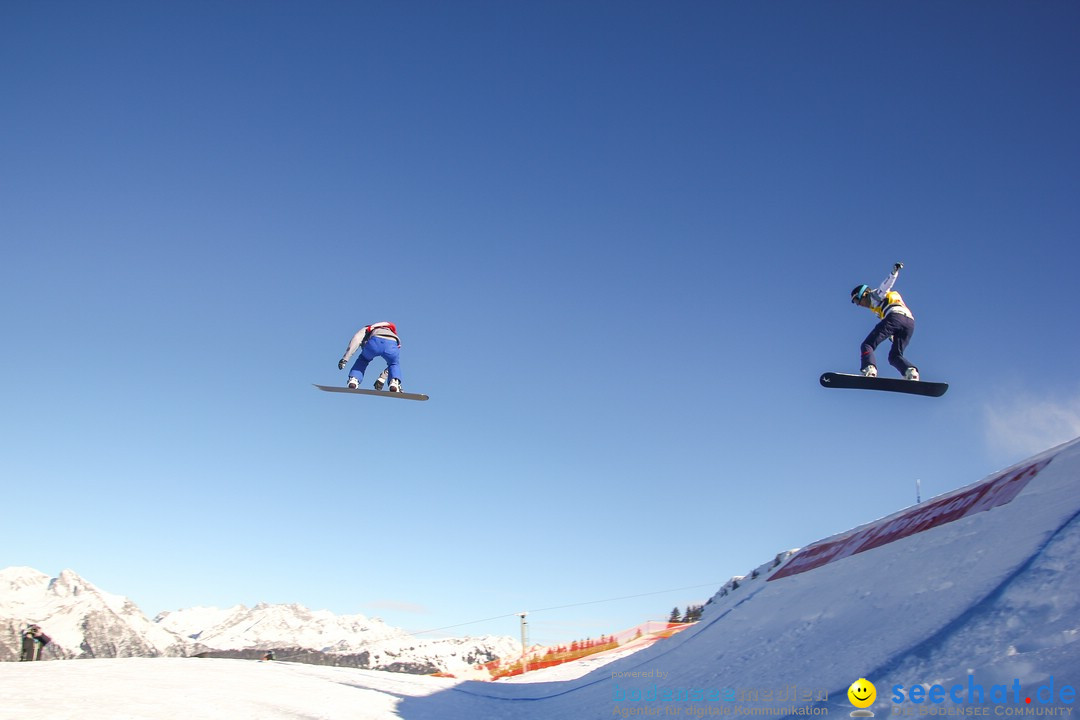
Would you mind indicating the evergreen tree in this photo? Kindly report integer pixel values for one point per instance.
(693, 613)
(674, 618)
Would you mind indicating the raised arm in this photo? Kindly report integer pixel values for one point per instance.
(887, 283)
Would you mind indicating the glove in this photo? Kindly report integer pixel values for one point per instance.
(897, 266)
(341, 364)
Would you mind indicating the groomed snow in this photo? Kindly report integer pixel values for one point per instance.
(214, 689)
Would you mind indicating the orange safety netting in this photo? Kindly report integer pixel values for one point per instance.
(545, 657)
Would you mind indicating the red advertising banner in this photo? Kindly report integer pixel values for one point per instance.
(986, 495)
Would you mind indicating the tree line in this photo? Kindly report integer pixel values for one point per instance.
(692, 614)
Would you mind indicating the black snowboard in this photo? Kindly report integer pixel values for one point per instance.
(858, 382)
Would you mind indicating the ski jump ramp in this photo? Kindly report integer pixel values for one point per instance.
(967, 604)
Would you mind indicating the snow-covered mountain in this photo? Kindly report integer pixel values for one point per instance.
(368, 642)
(82, 620)
(268, 625)
(85, 621)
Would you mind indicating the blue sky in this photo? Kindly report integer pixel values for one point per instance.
(617, 239)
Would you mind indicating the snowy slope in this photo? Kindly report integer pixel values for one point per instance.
(192, 688)
(975, 593)
(994, 593)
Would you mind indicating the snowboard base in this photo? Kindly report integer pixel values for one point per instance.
(380, 393)
(860, 382)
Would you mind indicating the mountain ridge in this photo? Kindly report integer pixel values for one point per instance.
(85, 621)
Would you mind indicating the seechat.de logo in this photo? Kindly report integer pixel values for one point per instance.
(975, 693)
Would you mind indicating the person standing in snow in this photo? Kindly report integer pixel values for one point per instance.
(897, 323)
(33, 642)
(377, 340)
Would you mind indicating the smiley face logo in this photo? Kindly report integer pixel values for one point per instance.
(862, 693)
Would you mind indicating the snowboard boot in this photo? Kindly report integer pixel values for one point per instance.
(353, 383)
(382, 380)
(869, 371)
(912, 374)
(395, 385)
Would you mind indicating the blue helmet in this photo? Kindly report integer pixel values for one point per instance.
(858, 292)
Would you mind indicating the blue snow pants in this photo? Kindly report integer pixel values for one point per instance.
(900, 328)
(375, 347)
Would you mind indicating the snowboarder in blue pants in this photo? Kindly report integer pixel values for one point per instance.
(377, 340)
